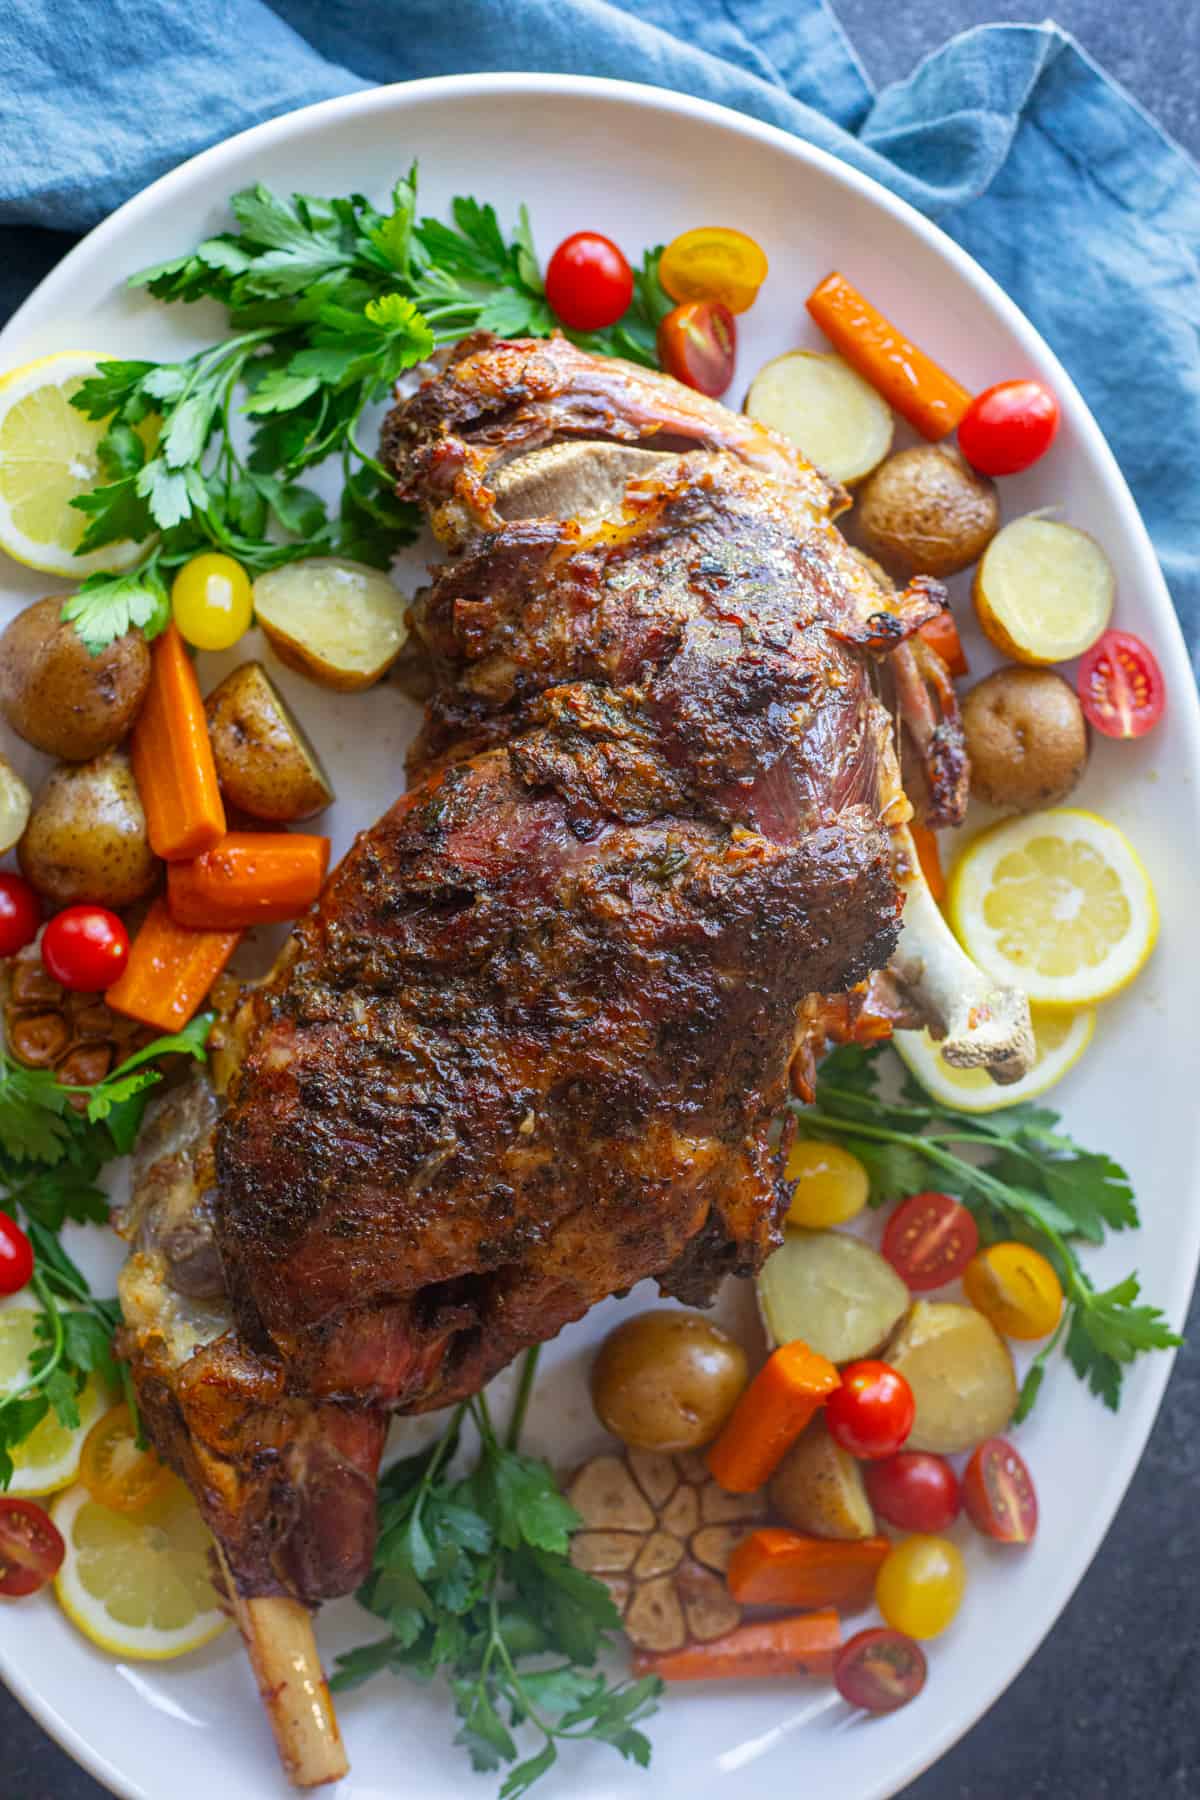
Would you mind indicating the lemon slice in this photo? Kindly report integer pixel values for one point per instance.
(1058, 903)
(49, 1457)
(137, 1584)
(1060, 1039)
(48, 456)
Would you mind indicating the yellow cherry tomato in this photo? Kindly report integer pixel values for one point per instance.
(115, 1472)
(714, 263)
(830, 1185)
(211, 601)
(1016, 1288)
(920, 1584)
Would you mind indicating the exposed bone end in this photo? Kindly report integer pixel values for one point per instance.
(578, 480)
(980, 1025)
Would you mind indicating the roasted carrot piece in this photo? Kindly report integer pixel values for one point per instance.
(770, 1415)
(801, 1644)
(941, 634)
(773, 1567)
(170, 970)
(250, 878)
(912, 382)
(930, 858)
(173, 760)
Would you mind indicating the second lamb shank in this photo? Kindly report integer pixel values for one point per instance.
(533, 1044)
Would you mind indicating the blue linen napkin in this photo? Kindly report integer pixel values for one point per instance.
(1010, 137)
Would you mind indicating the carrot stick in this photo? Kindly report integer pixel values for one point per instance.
(801, 1644)
(251, 878)
(781, 1568)
(170, 970)
(173, 760)
(769, 1417)
(941, 634)
(925, 395)
(930, 858)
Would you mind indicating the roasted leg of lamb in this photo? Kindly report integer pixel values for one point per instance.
(532, 1046)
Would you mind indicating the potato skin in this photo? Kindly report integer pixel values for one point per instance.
(265, 763)
(1026, 737)
(86, 838)
(58, 697)
(667, 1380)
(924, 511)
(819, 1488)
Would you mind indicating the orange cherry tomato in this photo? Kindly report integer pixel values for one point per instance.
(999, 1495)
(112, 1468)
(1016, 1288)
(920, 1584)
(714, 263)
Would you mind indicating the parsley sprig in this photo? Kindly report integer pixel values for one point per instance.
(329, 301)
(472, 1578)
(50, 1160)
(1022, 1177)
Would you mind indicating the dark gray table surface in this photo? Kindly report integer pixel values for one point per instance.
(1109, 1709)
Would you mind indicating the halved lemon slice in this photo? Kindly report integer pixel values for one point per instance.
(137, 1584)
(1058, 903)
(49, 1457)
(48, 456)
(1060, 1039)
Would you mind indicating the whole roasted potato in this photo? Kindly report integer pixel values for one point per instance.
(1026, 738)
(86, 838)
(60, 698)
(667, 1380)
(265, 763)
(925, 511)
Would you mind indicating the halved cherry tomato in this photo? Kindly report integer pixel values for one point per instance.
(697, 344)
(879, 1670)
(589, 284)
(113, 1469)
(714, 262)
(929, 1240)
(915, 1491)
(1121, 686)
(1008, 427)
(920, 1584)
(31, 1548)
(872, 1412)
(85, 948)
(1016, 1288)
(20, 914)
(16, 1256)
(999, 1495)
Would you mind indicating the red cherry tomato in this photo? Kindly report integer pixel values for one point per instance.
(879, 1670)
(1007, 427)
(915, 1491)
(31, 1549)
(998, 1493)
(697, 344)
(929, 1240)
(85, 948)
(588, 282)
(872, 1412)
(1121, 686)
(16, 1256)
(20, 914)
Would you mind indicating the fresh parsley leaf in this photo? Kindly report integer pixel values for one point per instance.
(105, 607)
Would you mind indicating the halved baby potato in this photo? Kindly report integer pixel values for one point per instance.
(265, 763)
(819, 1488)
(961, 1374)
(833, 1291)
(826, 409)
(1044, 591)
(15, 804)
(340, 623)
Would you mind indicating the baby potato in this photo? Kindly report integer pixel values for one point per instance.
(1026, 738)
(57, 696)
(339, 622)
(925, 511)
(961, 1373)
(819, 1488)
(833, 1291)
(667, 1380)
(86, 838)
(15, 802)
(265, 763)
